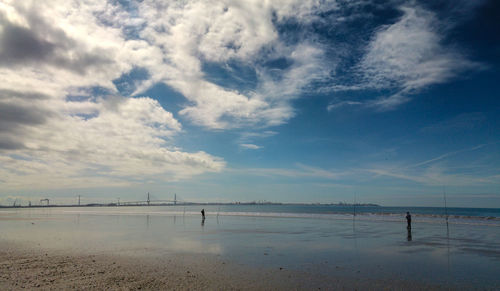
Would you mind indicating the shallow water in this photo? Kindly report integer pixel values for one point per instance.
(370, 246)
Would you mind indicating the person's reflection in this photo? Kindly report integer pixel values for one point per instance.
(408, 237)
(203, 221)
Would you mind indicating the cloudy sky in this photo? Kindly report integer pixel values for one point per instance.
(391, 102)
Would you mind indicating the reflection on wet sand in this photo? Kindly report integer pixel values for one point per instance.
(357, 248)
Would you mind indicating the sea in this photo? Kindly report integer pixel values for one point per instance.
(439, 215)
(322, 210)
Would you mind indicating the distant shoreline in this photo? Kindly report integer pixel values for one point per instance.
(125, 204)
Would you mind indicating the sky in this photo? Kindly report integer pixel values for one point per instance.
(317, 101)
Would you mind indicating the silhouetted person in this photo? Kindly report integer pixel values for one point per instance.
(203, 213)
(408, 220)
(409, 234)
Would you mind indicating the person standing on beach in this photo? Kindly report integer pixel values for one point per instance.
(203, 213)
(408, 219)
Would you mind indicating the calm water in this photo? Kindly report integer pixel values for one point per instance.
(318, 239)
(333, 209)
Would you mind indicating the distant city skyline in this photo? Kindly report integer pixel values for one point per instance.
(393, 103)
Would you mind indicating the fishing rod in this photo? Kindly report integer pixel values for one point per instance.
(445, 206)
(447, 234)
(354, 206)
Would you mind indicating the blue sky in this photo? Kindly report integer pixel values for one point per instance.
(389, 102)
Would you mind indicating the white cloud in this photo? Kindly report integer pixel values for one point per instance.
(437, 175)
(450, 154)
(206, 31)
(406, 57)
(246, 139)
(250, 146)
(53, 51)
(60, 45)
(333, 106)
(301, 171)
(125, 141)
(263, 134)
(58, 133)
(409, 55)
(444, 170)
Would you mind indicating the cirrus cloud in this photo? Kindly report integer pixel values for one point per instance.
(404, 58)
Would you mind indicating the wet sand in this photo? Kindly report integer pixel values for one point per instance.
(122, 249)
(25, 268)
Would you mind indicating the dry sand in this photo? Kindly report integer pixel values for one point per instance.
(33, 268)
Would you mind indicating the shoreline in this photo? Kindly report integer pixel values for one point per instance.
(144, 203)
(249, 209)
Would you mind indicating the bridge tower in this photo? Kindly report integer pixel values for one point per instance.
(175, 199)
(148, 199)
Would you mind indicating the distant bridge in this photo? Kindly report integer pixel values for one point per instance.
(150, 201)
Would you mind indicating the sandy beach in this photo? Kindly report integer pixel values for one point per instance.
(22, 268)
(27, 269)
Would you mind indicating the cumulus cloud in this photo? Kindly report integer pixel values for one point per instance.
(205, 31)
(56, 130)
(53, 46)
(125, 141)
